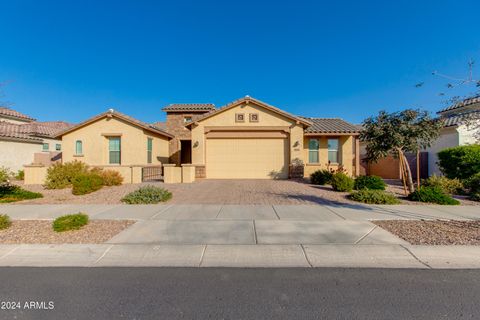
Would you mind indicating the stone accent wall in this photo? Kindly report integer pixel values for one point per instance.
(176, 126)
(200, 172)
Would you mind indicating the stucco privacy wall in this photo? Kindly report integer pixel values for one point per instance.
(94, 137)
(449, 137)
(14, 155)
(226, 118)
(346, 155)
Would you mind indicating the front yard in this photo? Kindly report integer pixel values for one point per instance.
(269, 192)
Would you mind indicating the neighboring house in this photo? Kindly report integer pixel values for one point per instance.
(22, 138)
(455, 131)
(117, 140)
(246, 139)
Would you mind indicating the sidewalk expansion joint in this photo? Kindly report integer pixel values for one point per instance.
(337, 214)
(254, 232)
(103, 254)
(366, 235)
(305, 255)
(10, 252)
(203, 254)
(275, 211)
(160, 212)
(218, 213)
(415, 257)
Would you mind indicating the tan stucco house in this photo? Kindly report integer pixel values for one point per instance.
(456, 130)
(24, 140)
(245, 139)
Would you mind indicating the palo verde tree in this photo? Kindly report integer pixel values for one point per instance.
(397, 133)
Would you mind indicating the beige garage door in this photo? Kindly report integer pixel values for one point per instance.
(247, 158)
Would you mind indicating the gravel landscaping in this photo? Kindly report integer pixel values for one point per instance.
(209, 191)
(434, 232)
(41, 232)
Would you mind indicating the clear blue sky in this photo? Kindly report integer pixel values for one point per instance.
(69, 60)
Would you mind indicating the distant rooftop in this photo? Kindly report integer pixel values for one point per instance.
(193, 107)
(331, 125)
(13, 114)
(463, 103)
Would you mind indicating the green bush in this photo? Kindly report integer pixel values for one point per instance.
(475, 196)
(342, 182)
(20, 175)
(374, 197)
(4, 175)
(321, 177)
(86, 183)
(4, 221)
(369, 182)
(473, 183)
(432, 195)
(12, 193)
(147, 195)
(449, 186)
(460, 162)
(61, 176)
(111, 178)
(70, 222)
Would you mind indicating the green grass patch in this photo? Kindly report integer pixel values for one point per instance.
(5, 221)
(147, 195)
(11, 193)
(70, 222)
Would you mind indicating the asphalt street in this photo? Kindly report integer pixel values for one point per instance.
(227, 293)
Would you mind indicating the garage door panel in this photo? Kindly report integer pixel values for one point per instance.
(247, 158)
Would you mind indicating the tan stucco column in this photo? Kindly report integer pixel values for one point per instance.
(188, 173)
(357, 156)
(171, 173)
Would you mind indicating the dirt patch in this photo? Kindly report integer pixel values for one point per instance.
(434, 232)
(40, 231)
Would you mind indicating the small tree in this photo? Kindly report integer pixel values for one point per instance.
(399, 132)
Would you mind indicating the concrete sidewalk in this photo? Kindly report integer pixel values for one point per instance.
(331, 212)
(349, 256)
(246, 236)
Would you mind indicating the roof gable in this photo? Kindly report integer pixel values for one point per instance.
(248, 99)
(115, 114)
(13, 114)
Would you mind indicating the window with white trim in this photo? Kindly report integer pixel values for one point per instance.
(313, 151)
(333, 151)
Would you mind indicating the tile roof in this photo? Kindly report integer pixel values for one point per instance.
(44, 129)
(463, 103)
(330, 125)
(114, 113)
(190, 107)
(258, 102)
(4, 111)
(460, 118)
(12, 131)
(160, 125)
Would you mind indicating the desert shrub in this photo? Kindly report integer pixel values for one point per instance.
(369, 182)
(475, 196)
(20, 175)
(449, 186)
(12, 193)
(4, 175)
(111, 178)
(61, 176)
(460, 162)
(342, 182)
(432, 195)
(473, 183)
(374, 197)
(4, 221)
(321, 177)
(70, 222)
(86, 183)
(147, 195)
